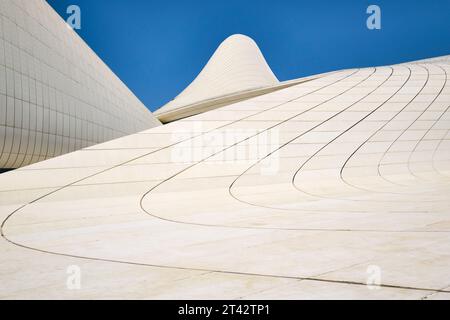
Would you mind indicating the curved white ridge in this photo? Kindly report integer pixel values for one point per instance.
(236, 66)
(440, 59)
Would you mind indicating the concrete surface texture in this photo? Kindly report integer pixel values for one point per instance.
(337, 187)
(56, 95)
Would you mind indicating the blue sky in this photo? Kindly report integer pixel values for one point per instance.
(157, 48)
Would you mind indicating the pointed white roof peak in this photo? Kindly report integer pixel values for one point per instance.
(236, 66)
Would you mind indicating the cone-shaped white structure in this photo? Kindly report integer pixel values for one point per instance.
(237, 66)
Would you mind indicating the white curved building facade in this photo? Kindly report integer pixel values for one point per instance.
(236, 71)
(56, 95)
(305, 192)
(237, 68)
(237, 65)
(356, 179)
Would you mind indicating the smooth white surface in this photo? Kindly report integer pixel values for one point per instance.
(362, 162)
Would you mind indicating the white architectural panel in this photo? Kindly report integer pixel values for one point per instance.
(56, 95)
(311, 191)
